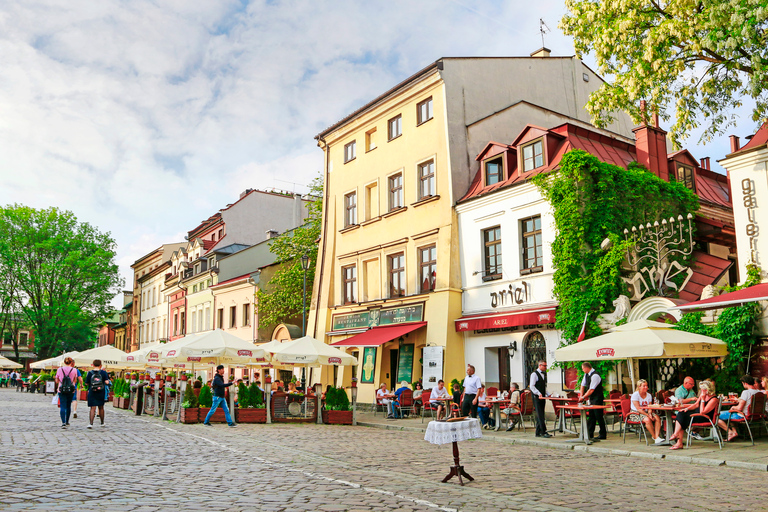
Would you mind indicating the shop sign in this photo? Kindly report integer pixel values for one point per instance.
(515, 293)
(369, 365)
(379, 317)
(605, 352)
(750, 203)
(405, 363)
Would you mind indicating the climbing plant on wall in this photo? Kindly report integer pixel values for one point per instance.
(592, 201)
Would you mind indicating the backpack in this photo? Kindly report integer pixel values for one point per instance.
(67, 387)
(97, 382)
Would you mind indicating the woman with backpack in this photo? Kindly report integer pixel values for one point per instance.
(97, 381)
(67, 379)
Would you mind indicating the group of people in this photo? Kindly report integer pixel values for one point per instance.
(69, 380)
(393, 401)
(13, 378)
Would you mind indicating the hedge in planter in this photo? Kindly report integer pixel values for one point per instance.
(252, 408)
(189, 407)
(337, 410)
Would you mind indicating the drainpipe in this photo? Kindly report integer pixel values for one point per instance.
(324, 232)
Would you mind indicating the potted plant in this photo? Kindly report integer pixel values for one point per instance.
(116, 392)
(189, 407)
(337, 410)
(253, 410)
(125, 400)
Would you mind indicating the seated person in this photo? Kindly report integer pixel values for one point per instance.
(704, 404)
(457, 395)
(514, 403)
(483, 408)
(385, 397)
(292, 387)
(685, 393)
(739, 410)
(641, 399)
(440, 392)
(417, 391)
(398, 392)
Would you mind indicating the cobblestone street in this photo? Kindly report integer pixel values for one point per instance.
(138, 463)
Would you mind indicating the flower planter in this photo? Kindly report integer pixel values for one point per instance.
(125, 402)
(116, 402)
(218, 416)
(189, 414)
(250, 415)
(337, 417)
(168, 378)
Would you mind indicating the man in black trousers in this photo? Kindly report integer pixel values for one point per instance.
(592, 390)
(538, 386)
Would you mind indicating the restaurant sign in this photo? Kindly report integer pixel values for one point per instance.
(245, 353)
(379, 317)
(605, 352)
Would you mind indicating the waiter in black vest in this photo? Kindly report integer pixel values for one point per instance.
(592, 390)
(538, 386)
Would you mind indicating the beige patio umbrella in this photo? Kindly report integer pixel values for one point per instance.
(7, 363)
(220, 347)
(53, 362)
(110, 356)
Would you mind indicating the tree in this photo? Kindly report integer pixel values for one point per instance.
(281, 299)
(65, 271)
(702, 55)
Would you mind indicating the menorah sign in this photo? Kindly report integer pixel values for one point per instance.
(652, 252)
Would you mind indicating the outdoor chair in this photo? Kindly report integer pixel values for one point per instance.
(626, 409)
(514, 417)
(378, 403)
(426, 406)
(756, 409)
(526, 407)
(405, 402)
(456, 408)
(615, 414)
(614, 394)
(493, 391)
(700, 420)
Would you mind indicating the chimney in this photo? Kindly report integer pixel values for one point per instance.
(271, 233)
(734, 144)
(541, 52)
(651, 147)
(247, 191)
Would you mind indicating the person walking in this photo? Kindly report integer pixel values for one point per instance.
(14, 376)
(592, 390)
(538, 387)
(219, 386)
(67, 378)
(97, 381)
(471, 386)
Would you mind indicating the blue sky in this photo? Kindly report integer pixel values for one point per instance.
(144, 118)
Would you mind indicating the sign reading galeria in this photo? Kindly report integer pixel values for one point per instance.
(379, 317)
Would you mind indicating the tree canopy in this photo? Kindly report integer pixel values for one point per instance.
(703, 57)
(64, 272)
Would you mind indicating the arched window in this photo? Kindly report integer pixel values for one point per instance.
(534, 350)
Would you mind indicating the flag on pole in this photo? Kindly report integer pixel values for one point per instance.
(583, 333)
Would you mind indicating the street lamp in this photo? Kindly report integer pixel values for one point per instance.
(305, 267)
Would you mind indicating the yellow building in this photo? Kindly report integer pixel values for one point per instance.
(388, 284)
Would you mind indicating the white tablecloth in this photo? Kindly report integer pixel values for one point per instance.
(442, 432)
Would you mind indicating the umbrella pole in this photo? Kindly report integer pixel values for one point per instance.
(631, 368)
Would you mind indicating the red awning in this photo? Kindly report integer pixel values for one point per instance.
(500, 320)
(752, 294)
(379, 335)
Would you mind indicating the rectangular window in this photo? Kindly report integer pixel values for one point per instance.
(397, 275)
(233, 316)
(395, 127)
(370, 139)
(533, 156)
(193, 324)
(396, 191)
(684, 175)
(427, 179)
(350, 209)
(350, 152)
(533, 258)
(371, 201)
(194, 289)
(427, 268)
(494, 171)
(23, 337)
(220, 318)
(213, 237)
(175, 324)
(183, 323)
(349, 284)
(221, 233)
(424, 111)
(246, 315)
(492, 253)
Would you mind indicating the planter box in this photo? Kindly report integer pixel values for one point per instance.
(250, 415)
(218, 416)
(189, 415)
(116, 402)
(337, 417)
(122, 402)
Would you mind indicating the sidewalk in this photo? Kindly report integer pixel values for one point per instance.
(739, 454)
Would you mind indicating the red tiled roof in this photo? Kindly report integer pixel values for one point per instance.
(753, 293)
(707, 269)
(238, 278)
(758, 139)
(210, 248)
(713, 187)
(207, 244)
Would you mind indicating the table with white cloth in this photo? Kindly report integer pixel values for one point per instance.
(444, 432)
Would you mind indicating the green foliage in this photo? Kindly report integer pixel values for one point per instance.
(457, 382)
(189, 398)
(256, 396)
(206, 396)
(592, 201)
(702, 57)
(243, 396)
(64, 272)
(336, 399)
(281, 298)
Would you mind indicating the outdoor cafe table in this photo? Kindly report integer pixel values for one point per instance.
(583, 436)
(561, 413)
(670, 424)
(446, 403)
(497, 403)
(444, 432)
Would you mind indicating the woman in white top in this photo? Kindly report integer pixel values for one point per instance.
(385, 397)
(439, 392)
(641, 399)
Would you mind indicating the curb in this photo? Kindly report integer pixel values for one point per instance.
(680, 459)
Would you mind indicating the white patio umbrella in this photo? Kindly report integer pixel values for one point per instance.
(309, 351)
(110, 356)
(138, 358)
(7, 363)
(53, 362)
(643, 339)
(216, 347)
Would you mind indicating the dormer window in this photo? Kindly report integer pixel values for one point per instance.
(494, 171)
(533, 155)
(684, 175)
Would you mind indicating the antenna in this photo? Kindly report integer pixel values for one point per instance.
(544, 29)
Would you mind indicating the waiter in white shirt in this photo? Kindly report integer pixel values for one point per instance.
(538, 386)
(592, 390)
(471, 385)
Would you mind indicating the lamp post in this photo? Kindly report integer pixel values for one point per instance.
(305, 267)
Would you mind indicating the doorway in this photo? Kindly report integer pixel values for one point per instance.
(394, 360)
(534, 350)
(504, 370)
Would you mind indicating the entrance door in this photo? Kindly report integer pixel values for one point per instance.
(534, 350)
(503, 369)
(393, 363)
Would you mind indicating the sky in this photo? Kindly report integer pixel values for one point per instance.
(146, 117)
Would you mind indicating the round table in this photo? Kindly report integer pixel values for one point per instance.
(669, 427)
(444, 432)
(583, 409)
(561, 412)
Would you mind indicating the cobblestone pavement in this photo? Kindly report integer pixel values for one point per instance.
(143, 464)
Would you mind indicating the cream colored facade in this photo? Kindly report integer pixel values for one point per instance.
(471, 100)
(234, 307)
(198, 280)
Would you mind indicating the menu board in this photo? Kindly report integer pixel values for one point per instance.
(433, 366)
(405, 364)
